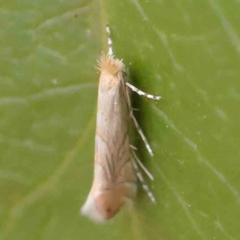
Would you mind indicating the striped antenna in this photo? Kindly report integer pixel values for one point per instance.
(110, 48)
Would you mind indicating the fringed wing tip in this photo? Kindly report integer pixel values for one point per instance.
(89, 210)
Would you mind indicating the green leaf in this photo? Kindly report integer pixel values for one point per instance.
(186, 51)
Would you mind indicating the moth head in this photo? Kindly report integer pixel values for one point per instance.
(111, 65)
(108, 203)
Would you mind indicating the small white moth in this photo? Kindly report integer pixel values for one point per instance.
(116, 166)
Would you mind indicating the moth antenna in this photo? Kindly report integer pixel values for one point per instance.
(142, 166)
(144, 184)
(110, 48)
(141, 93)
(147, 145)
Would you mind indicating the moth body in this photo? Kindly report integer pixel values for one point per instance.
(116, 166)
(114, 181)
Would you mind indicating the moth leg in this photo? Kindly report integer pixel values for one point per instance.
(147, 145)
(141, 93)
(142, 166)
(143, 182)
(133, 147)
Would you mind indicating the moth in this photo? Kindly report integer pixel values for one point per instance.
(116, 165)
